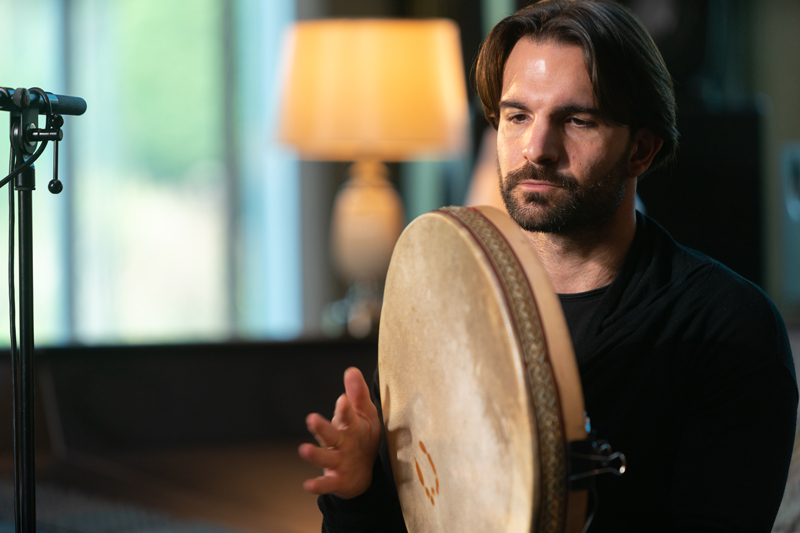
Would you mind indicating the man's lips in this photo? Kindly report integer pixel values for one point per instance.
(536, 186)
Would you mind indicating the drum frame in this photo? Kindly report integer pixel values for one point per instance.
(502, 243)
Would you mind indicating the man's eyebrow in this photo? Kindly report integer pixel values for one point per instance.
(512, 104)
(562, 110)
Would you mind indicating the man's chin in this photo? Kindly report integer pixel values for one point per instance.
(534, 211)
(535, 218)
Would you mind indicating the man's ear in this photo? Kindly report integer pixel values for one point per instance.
(644, 148)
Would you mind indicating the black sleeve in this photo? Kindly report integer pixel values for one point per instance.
(733, 459)
(378, 509)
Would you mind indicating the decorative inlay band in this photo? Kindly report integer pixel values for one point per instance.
(542, 388)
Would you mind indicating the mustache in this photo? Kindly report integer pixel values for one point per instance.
(534, 173)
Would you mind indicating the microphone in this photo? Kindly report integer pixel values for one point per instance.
(61, 105)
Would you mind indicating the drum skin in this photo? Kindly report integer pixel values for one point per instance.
(479, 386)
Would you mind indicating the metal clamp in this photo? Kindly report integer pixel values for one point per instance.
(593, 457)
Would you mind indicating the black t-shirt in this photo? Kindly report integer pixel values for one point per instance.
(685, 368)
(578, 310)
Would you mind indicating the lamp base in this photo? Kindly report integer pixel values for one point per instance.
(366, 222)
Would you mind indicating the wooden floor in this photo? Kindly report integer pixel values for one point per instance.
(245, 488)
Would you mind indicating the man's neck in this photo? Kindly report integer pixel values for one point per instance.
(588, 259)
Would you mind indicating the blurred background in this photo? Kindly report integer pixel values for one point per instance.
(188, 312)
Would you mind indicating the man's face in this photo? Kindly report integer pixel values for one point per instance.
(562, 167)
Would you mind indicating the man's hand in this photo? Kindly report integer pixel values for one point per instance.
(348, 444)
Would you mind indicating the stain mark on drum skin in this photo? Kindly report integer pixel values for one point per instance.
(433, 490)
(433, 466)
(419, 473)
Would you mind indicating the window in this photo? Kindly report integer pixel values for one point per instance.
(179, 221)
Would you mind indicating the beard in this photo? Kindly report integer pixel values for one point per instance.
(570, 208)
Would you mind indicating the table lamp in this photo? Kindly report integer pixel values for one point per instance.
(371, 91)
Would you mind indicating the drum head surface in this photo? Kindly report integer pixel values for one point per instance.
(473, 406)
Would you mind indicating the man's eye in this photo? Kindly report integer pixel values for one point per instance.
(516, 119)
(580, 122)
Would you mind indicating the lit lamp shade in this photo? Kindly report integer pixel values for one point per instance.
(368, 91)
(387, 90)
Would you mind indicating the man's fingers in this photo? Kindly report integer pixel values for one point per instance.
(324, 431)
(357, 390)
(344, 414)
(322, 485)
(354, 435)
(321, 457)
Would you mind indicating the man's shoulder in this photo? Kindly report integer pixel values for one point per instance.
(725, 303)
(700, 275)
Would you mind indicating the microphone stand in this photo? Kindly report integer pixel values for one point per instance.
(25, 107)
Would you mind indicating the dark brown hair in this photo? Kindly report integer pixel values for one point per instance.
(631, 83)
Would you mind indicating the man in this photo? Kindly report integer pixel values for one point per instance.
(685, 366)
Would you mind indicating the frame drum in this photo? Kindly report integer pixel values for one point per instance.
(479, 386)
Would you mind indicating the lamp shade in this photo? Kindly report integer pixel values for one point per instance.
(380, 89)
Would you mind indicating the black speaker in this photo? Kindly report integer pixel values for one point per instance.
(710, 199)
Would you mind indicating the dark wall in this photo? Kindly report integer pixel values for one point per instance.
(124, 398)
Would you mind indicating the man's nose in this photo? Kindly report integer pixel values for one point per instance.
(542, 145)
